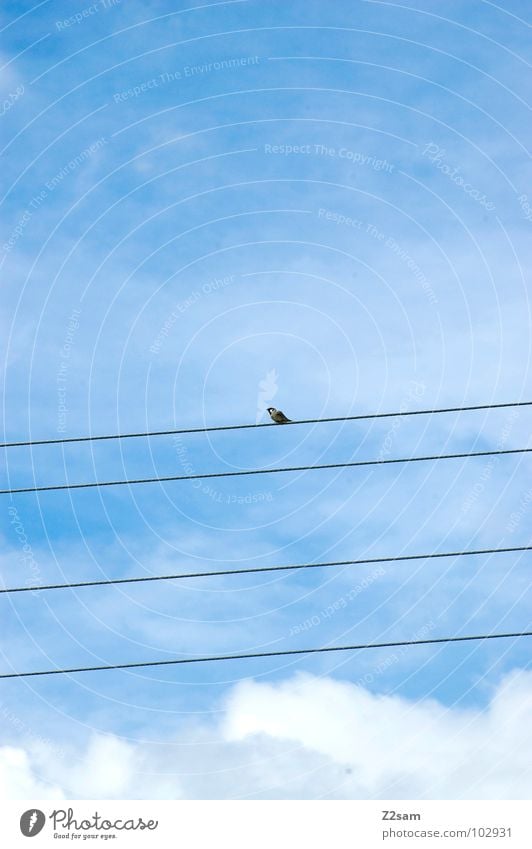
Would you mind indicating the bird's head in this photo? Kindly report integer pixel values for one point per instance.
(270, 410)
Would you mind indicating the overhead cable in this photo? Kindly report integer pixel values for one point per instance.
(261, 654)
(246, 472)
(260, 569)
(176, 431)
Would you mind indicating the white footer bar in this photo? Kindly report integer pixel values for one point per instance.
(268, 824)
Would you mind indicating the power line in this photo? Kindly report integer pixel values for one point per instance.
(248, 656)
(354, 464)
(257, 569)
(362, 417)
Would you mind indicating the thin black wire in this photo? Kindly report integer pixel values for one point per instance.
(255, 569)
(362, 417)
(266, 471)
(286, 653)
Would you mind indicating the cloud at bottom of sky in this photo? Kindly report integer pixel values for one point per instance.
(302, 738)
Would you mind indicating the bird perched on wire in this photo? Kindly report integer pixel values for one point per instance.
(278, 416)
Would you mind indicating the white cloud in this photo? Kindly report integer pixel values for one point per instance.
(18, 780)
(305, 737)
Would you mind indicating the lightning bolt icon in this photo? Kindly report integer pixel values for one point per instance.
(33, 820)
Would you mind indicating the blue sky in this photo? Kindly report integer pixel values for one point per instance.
(211, 208)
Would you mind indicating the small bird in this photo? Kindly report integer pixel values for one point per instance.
(278, 416)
